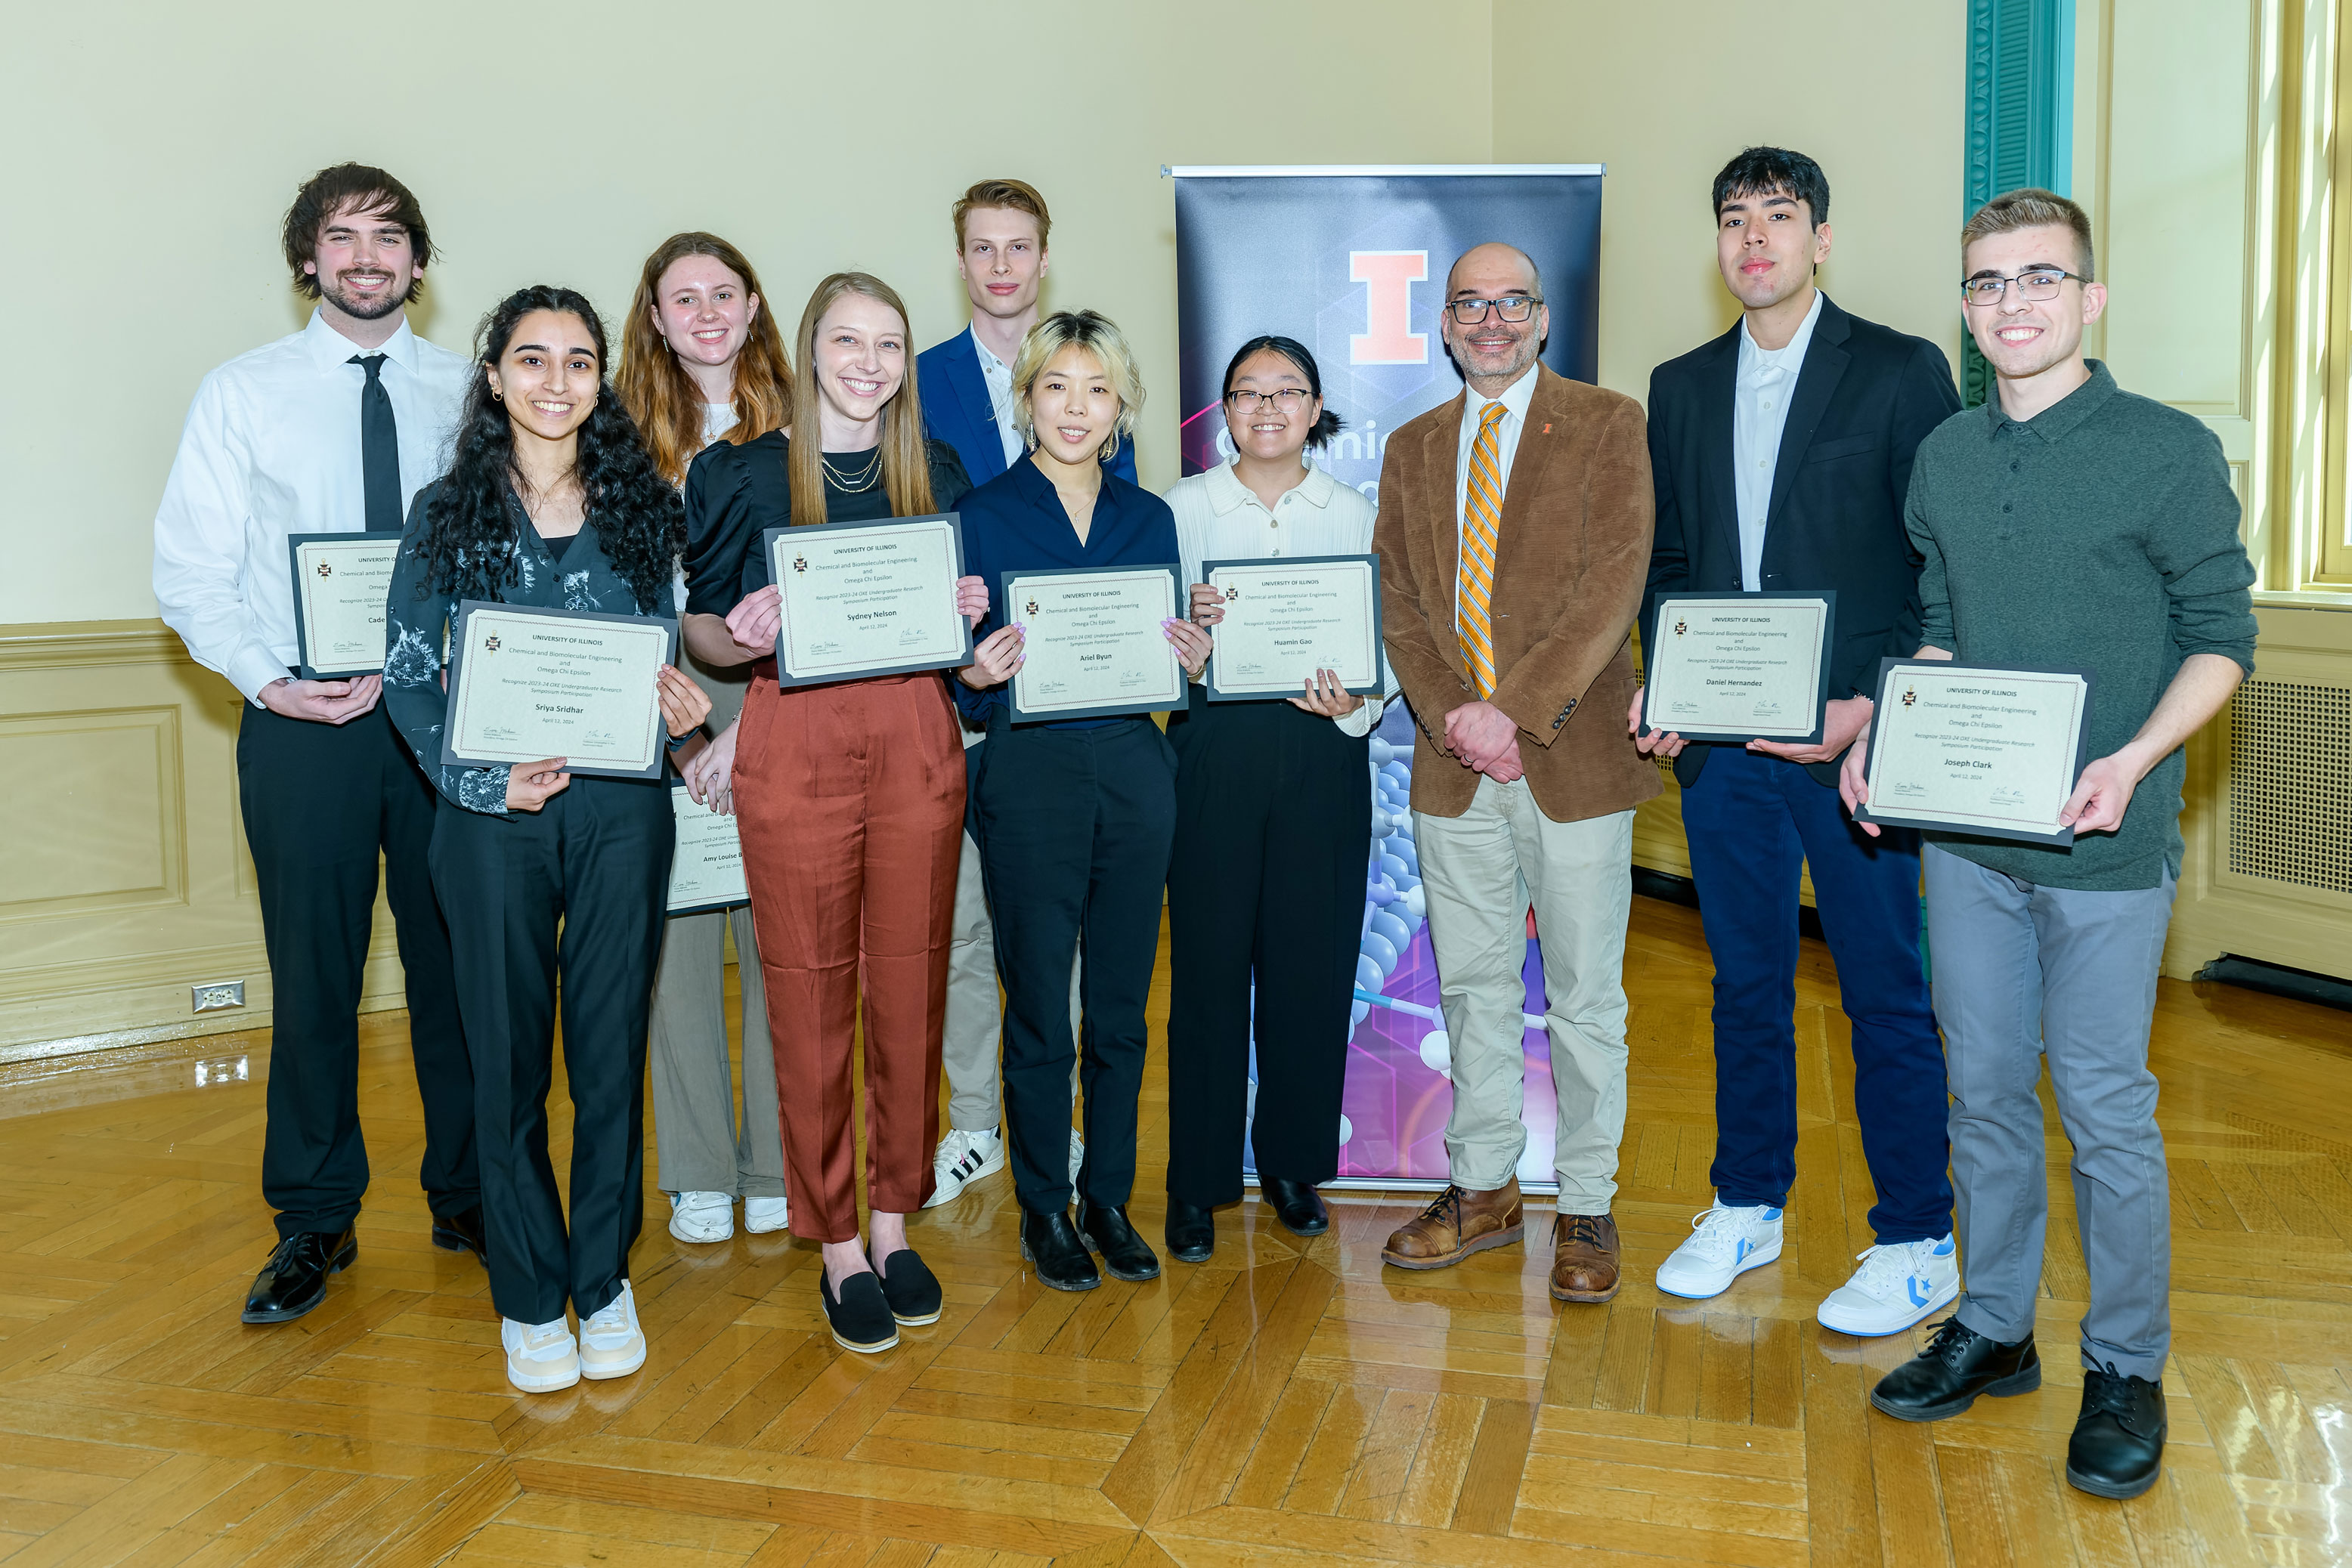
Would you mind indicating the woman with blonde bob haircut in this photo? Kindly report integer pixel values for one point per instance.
(1074, 818)
(702, 361)
(851, 802)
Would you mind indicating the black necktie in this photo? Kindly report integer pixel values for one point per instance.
(379, 449)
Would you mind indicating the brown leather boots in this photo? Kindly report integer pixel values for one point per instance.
(1460, 1222)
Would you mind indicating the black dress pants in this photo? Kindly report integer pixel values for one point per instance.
(1273, 825)
(576, 889)
(321, 801)
(1074, 826)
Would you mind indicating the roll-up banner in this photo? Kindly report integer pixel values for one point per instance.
(1352, 263)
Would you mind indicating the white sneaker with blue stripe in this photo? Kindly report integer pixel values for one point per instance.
(1725, 1243)
(1896, 1287)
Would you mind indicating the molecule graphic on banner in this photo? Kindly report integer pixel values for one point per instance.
(1399, 1060)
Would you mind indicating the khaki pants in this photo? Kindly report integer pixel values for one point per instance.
(1482, 872)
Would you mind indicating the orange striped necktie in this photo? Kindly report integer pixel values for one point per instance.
(1481, 534)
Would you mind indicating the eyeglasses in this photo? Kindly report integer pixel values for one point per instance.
(2036, 284)
(1511, 307)
(1290, 400)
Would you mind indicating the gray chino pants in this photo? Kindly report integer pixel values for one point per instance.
(700, 1146)
(2024, 972)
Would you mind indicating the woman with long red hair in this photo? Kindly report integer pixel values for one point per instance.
(703, 362)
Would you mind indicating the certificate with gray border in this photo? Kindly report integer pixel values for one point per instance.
(341, 584)
(869, 599)
(1740, 666)
(1094, 646)
(527, 682)
(1981, 749)
(706, 869)
(1287, 618)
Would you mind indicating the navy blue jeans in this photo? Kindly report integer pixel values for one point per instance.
(1751, 821)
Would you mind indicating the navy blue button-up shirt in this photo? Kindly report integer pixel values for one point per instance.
(1015, 523)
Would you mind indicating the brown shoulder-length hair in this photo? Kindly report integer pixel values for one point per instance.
(906, 457)
(655, 388)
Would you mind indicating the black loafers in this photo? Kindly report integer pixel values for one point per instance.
(2117, 1448)
(295, 1278)
(860, 1316)
(1959, 1365)
(910, 1288)
(1297, 1204)
(1052, 1245)
(462, 1233)
(1127, 1255)
(1191, 1231)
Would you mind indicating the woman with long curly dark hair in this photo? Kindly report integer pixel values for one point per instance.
(550, 500)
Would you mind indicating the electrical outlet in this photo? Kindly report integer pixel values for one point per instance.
(218, 995)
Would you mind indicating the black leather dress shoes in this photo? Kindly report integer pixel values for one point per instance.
(1191, 1231)
(1297, 1204)
(1052, 1245)
(1958, 1364)
(295, 1278)
(910, 1288)
(2117, 1448)
(1127, 1255)
(462, 1233)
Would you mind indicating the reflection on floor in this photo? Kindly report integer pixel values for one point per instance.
(1284, 1402)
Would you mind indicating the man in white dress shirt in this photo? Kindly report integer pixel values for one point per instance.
(331, 429)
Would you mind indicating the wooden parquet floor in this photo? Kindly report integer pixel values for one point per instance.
(1283, 1403)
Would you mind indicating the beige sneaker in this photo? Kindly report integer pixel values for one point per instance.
(611, 1342)
(541, 1358)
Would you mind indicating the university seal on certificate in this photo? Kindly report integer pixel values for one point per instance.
(1094, 646)
(1286, 619)
(1962, 748)
(868, 599)
(1740, 666)
(527, 684)
(340, 585)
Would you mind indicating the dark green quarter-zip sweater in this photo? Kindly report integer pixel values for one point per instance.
(2100, 535)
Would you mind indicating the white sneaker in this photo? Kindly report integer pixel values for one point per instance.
(1726, 1242)
(1896, 1287)
(962, 1159)
(763, 1215)
(541, 1357)
(701, 1215)
(611, 1343)
(1077, 1154)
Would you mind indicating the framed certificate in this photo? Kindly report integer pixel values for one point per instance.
(1740, 666)
(1963, 748)
(707, 870)
(1286, 619)
(869, 599)
(1094, 646)
(341, 584)
(527, 684)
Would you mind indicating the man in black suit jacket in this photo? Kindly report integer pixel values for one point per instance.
(1782, 452)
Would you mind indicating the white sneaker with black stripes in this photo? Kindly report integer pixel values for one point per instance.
(963, 1158)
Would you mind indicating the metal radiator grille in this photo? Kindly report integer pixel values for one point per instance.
(2291, 784)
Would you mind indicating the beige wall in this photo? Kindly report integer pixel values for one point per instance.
(1665, 95)
(561, 146)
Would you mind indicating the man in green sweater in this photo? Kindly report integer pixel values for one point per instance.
(2067, 524)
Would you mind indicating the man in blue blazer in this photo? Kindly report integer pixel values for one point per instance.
(1782, 452)
(966, 386)
(967, 381)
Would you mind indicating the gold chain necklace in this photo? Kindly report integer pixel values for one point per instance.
(841, 482)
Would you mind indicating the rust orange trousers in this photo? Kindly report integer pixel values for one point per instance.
(850, 801)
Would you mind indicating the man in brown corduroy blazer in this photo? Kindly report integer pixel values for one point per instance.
(1514, 538)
